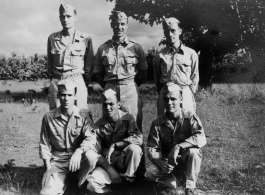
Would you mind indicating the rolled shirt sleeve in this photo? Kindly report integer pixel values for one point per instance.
(154, 143)
(44, 143)
(194, 72)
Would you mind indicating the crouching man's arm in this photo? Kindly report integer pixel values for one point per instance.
(196, 140)
(135, 135)
(154, 150)
(44, 144)
(114, 175)
(88, 143)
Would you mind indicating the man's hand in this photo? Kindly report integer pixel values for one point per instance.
(172, 157)
(75, 160)
(114, 175)
(135, 140)
(167, 168)
(111, 149)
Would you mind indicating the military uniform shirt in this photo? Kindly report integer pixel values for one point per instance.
(178, 66)
(58, 134)
(163, 136)
(120, 61)
(73, 59)
(125, 127)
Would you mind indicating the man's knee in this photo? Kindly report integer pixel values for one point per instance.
(195, 153)
(91, 156)
(152, 172)
(133, 148)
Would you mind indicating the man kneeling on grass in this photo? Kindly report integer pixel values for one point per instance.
(67, 142)
(120, 141)
(175, 136)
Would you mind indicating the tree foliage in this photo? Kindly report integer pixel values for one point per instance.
(213, 28)
(23, 69)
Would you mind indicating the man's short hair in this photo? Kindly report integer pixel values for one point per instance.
(65, 7)
(66, 86)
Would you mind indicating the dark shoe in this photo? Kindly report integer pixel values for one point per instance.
(190, 191)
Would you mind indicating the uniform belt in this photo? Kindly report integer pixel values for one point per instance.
(68, 76)
(121, 82)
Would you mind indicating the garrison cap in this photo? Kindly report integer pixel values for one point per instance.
(109, 93)
(66, 86)
(171, 87)
(169, 21)
(118, 15)
(65, 7)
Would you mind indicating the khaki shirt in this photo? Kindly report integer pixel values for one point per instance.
(58, 134)
(163, 136)
(125, 130)
(120, 61)
(180, 67)
(73, 59)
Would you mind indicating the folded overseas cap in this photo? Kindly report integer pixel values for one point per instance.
(171, 87)
(118, 15)
(109, 93)
(66, 86)
(65, 7)
(169, 21)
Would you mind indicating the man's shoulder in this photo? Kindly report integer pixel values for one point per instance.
(160, 120)
(50, 114)
(84, 35)
(188, 49)
(55, 35)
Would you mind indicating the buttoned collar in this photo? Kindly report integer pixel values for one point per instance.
(165, 120)
(104, 122)
(125, 41)
(179, 50)
(77, 36)
(58, 113)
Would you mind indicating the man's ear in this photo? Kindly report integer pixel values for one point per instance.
(76, 17)
(119, 105)
(180, 31)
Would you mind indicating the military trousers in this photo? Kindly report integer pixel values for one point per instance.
(188, 101)
(81, 94)
(127, 160)
(54, 179)
(191, 157)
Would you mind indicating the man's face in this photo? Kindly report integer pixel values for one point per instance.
(67, 99)
(68, 19)
(172, 101)
(110, 106)
(119, 27)
(172, 33)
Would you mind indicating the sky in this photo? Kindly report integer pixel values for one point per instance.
(26, 25)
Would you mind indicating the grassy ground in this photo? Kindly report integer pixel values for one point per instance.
(233, 159)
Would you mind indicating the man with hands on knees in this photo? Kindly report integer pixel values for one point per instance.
(120, 141)
(67, 142)
(175, 136)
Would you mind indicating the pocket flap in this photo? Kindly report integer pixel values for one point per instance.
(131, 60)
(56, 51)
(78, 52)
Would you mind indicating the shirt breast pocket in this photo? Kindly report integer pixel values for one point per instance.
(129, 64)
(109, 63)
(57, 56)
(77, 57)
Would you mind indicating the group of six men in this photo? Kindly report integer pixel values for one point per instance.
(111, 149)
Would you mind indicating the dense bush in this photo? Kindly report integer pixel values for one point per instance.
(23, 68)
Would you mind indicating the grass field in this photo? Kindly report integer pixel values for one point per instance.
(233, 160)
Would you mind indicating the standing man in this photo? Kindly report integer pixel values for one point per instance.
(176, 63)
(120, 65)
(67, 142)
(70, 54)
(120, 141)
(175, 136)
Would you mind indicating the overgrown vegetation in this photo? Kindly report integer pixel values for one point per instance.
(233, 160)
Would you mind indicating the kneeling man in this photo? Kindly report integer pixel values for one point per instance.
(175, 136)
(120, 141)
(67, 142)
